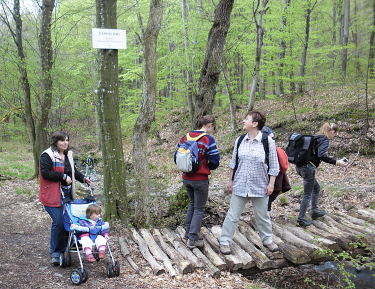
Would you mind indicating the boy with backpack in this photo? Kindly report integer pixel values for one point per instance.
(196, 156)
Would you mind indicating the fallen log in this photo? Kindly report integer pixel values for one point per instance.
(210, 253)
(184, 266)
(158, 252)
(214, 271)
(252, 236)
(320, 241)
(368, 214)
(181, 248)
(260, 259)
(232, 261)
(343, 242)
(314, 251)
(357, 221)
(157, 269)
(125, 252)
(347, 223)
(290, 252)
(247, 260)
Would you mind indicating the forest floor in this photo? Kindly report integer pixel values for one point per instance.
(25, 226)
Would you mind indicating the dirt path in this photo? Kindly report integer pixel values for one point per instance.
(25, 258)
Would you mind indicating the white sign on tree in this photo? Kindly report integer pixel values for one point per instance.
(108, 38)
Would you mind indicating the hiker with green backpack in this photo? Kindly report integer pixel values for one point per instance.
(252, 177)
(195, 157)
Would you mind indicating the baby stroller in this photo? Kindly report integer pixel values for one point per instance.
(73, 210)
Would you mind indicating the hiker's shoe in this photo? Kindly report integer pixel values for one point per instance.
(55, 261)
(272, 247)
(314, 216)
(101, 254)
(191, 244)
(304, 223)
(224, 249)
(91, 258)
(200, 236)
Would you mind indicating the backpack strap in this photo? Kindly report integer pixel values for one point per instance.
(238, 145)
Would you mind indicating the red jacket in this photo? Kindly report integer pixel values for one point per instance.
(50, 192)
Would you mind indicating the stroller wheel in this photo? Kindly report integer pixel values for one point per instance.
(85, 275)
(117, 268)
(68, 259)
(109, 270)
(62, 260)
(76, 277)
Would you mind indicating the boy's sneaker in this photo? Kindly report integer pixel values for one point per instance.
(314, 216)
(272, 247)
(91, 258)
(191, 244)
(101, 254)
(224, 249)
(200, 236)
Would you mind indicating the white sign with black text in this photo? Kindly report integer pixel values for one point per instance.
(108, 38)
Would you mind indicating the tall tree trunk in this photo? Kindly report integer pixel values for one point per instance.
(334, 15)
(345, 37)
(232, 107)
(355, 40)
(258, 52)
(189, 90)
(147, 111)
(115, 199)
(210, 72)
(22, 68)
(372, 45)
(46, 54)
(305, 47)
(280, 69)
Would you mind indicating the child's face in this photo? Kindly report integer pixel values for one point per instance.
(94, 216)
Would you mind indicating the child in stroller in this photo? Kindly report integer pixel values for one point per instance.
(88, 238)
(74, 211)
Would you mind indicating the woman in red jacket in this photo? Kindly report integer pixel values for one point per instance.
(57, 175)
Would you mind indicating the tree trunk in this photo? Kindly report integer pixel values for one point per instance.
(210, 72)
(113, 156)
(232, 107)
(189, 90)
(25, 84)
(280, 72)
(258, 52)
(334, 15)
(147, 111)
(372, 45)
(345, 37)
(46, 54)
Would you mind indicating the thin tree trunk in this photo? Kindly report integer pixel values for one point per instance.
(345, 37)
(147, 111)
(258, 52)
(280, 69)
(334, 15)
(232, 108)
(372, 46)
(115, 199)
(189, 92)
(210, 72)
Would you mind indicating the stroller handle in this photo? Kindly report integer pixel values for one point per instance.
(87, 229)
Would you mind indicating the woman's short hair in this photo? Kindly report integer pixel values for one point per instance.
(58, 135)
(93, 209)
(258, 117)
(326, 129)
(203, 120)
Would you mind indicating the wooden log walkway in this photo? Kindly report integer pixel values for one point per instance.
(166, 252)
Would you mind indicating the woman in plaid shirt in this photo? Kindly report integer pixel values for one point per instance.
(253, 180)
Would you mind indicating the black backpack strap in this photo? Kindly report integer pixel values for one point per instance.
(266, 148)
(238, 145)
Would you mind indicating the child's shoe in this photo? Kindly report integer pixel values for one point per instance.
(101, 254)
(91, 258)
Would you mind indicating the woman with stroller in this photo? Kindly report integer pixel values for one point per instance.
(308, 173)
(57, 175)
(253, 180)
(93, 220)
(196, 184)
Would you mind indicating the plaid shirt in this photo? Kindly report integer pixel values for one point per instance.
(251, 178)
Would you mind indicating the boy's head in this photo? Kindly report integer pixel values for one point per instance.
(93, 212)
